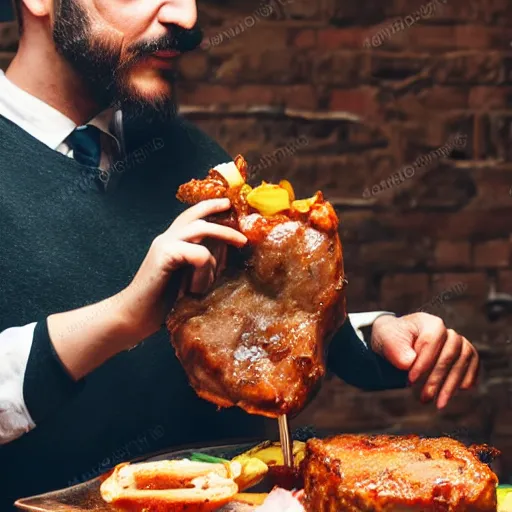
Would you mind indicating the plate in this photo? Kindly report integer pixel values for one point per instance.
(86, 497)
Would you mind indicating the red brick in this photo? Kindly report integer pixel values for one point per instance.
(258, 38)
(455, 11)
(493, 186)
(268, 67)
(294, 96)
(496, 12)
(404, 291)
(397, 66)
(436, 185)
(238, 135)
(474, 37)
(444, 98)
(356, 292)
(299, 97)
(470, 67)
(228, 96)
(492, 254)
(389, 255)
(505, 281)
(367, 11)
(302, 10)
(194, 66)
(305, 39)
(452, 71)
(340, 38)
(496, 129)
(484, 97)
(464, 284)
(230, 70)
(429, 37)
(338, 176)
(361, 101)
(452, 254)
(456, 225)
(339, 68)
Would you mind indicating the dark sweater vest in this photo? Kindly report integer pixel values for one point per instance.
(66, 243)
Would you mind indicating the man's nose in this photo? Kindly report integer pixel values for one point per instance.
(178, 12)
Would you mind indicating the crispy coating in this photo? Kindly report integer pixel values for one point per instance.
(258, 340)
(358, 473)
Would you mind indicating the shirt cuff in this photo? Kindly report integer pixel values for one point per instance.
(15, 345)
(47, 386)
(361, 320)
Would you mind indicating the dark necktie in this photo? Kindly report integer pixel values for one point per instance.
(86, 144)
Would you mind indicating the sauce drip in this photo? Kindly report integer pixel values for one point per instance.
(286, 477)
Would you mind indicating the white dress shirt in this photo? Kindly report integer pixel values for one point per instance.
(52, 128)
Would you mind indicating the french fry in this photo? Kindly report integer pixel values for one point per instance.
(269, 199)
(252, 473)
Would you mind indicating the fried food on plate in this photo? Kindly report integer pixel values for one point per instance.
(178, 485)
(388, 473)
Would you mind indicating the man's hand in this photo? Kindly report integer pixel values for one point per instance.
(87, 337)
(145, 301)
(421, 344)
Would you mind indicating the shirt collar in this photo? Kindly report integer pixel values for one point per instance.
(39, 119)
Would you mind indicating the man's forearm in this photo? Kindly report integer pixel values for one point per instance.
(86, 338)
(41, 364)
(64, 348)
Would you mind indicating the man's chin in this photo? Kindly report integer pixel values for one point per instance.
(153, 100)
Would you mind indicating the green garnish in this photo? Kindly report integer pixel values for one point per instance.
(202, 457)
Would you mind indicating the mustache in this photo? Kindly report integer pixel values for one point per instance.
(178, 39)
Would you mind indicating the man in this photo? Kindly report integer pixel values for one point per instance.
(88, 261)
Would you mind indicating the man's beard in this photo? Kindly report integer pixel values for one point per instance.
(99, 63)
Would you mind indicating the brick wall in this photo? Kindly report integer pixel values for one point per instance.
(365, 100)
(335, 96)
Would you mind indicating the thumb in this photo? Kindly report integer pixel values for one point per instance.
(401, 355)
(393, 340)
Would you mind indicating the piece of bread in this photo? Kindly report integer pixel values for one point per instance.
(180, 485)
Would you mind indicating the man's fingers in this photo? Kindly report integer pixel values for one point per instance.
(472, 371)
(393, 338)
(200, 211)
(449, 355)
(204, 266)
(200, 229)
(174, 254)
(220, 253)
(173, 257)
(430, 341)
(202, 279)
(455, 376)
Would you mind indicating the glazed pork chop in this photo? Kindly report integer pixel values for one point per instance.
(358, 473)
(258, 339)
